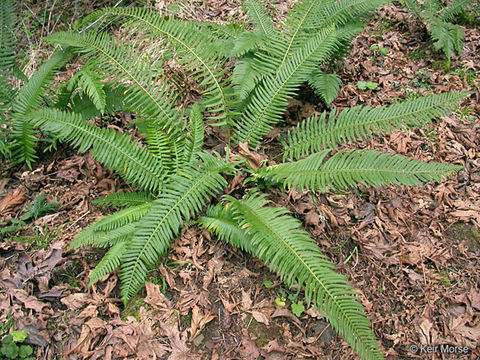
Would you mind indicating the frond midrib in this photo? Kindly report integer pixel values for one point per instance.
(272, 98)
(150, 238)
(292, 39)
(341, 129)
(334, 299)
(113, 145)
(131, 75)
(191, 50)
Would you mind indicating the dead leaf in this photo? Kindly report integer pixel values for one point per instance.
(11, 201)
(29, 301)
(199, 320)
(254, 159)
(75, 301)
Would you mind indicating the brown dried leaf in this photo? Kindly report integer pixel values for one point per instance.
(199, 320)
(11, 201)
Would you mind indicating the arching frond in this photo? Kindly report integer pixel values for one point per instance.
(325, 85)
(91, 83)
(113, 149)
(220, 220)
(259, 17)
(348, 168)
(192, 47)
(180, 199)
(277, 239)
(99, 229)
(360, 122)
(29, 98)
(110, 261)
(7, 36)
(269, 100)
(143, 96)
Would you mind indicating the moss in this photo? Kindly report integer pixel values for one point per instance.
(465, 232)
(133, 308)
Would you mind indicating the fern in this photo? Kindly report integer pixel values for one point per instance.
(191, 46)
(269, 100)
(348, 168)
(109, 147)
(7, 36)
(325, 85)
(179, 201)
(194, 141)
(277, 239)
(360, 122)
(124, 199)
(92, 85)
(28, 99)
(447, 37)
(96, 232)
(110, 261)
(259, 17)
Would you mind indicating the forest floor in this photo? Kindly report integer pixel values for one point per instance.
(413, 253)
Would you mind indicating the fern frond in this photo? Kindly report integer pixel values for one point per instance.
(325, 85)
(194, 141)
(113, 149)
(144, 96)
(110, 261)
(84, 106)
(348, 168)
(259, 17)
(180, 199)
(192, 48)
(28, 99)
(359, 122)
(7, 36)
(269, 100)
(220, 220)
(94, 233)
(124, 199)
(278, 240)
(91, 83)
(453, 9)
(448, 37)
(344, 11)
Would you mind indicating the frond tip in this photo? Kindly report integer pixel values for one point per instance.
(276, 238)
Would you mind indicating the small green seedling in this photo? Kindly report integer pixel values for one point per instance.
(379, 50)
(280, 301)
(268, 284)
(367, 85)
(297, 308)
(12, 347)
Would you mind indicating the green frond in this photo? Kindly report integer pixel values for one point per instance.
(195, 135)
(220, 220)
(344, 11)
(144, 96)
(110, 261)
(277, 239)
(325, 85)
(192, 50)
(246, 76)
(259, 17)
(124, 199)
(109, 238)
(115, 150)
(361, 122)
(84, 106)
(91, 83)
(29, 98)
(448, 37)
(348, 168)
(180, 199)
(453, 9)
(94, 233)
(269, 99)
(7, 36)
(247, 42)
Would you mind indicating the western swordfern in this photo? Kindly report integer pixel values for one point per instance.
(176, 178)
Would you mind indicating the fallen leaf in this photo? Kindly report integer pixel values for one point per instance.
(199, 320)
(75, 301)
(9, 202)
(29, 301)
